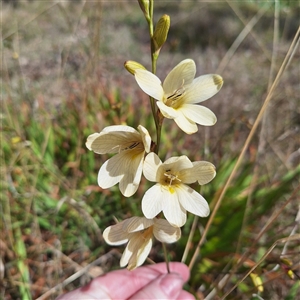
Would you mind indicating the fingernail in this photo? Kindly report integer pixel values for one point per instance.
(171, 285)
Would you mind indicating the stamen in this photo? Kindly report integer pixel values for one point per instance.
(178, 93)
(132, 146)
(171, 100)
(171, 177)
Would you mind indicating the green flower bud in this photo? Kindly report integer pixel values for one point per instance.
(161, 32)
(131, 66)
(144, 5)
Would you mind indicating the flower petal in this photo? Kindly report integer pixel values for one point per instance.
(110, 142)
(182, 74)
(90, 140)
(185, 124)
(136, 224)
(140, 251)
(192, 201)
(151, 165)
(145, 137)
(152, 202)
(149, 83)
(165, 232)
(167, 111)
(199, 114)
(108, 177)
(126, 256)
(129, 183)
(125, 168)
(203, 88)
(172, 209)
(116, 128)
(115, 235)
(177, 163)
(99, 146)
(204, 171)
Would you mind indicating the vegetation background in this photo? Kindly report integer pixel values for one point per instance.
(63, 79)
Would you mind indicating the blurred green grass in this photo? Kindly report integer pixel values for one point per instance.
(63, 79)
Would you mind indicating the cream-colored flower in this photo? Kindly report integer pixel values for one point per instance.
(139, 232)
(179, 93)
(125, 167)
(171, 194)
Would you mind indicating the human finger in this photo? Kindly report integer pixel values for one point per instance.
(122, 284)
(167, 286)
(184, 295)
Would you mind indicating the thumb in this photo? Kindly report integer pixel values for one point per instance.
(166, 286)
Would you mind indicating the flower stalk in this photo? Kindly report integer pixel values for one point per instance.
(154, 57)
(166, 203)
(155, 49)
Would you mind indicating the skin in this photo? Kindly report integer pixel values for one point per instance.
(148, 282)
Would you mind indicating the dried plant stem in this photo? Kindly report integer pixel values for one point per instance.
(263, 126)
(245, 147)
(284, 250)
(240, 38)
(266, 124)
(275, 42)
(236, 9)
(188, 243)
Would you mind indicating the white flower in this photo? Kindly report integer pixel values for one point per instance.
(125, 167)
(171, 194)
(179, 93)
(139, 232)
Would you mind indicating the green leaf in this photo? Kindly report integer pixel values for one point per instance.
(294, 291)
(20, 250)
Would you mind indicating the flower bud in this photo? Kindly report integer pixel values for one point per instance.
(131, 66)
(257, 282)
(144, 5)
(161, 32)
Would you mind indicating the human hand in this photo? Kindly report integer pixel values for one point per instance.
(148, 282)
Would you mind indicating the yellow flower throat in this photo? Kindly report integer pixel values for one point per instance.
(175, 99)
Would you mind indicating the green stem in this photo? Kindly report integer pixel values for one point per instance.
(151, 4)
(166, 256)
(158, 135)
(155, 111)
(158, 118)
(154, 57)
